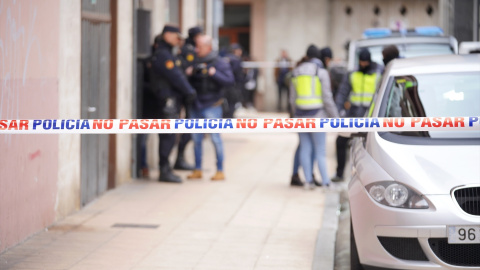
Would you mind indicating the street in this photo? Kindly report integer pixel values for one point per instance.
(253, 220)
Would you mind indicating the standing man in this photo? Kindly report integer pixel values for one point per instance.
(210, 75)
(389, 53)
(171, 86)
(357, 88)
(188, 54)
(186, 57)
(283, 67)
(336, 72)
(233, 94)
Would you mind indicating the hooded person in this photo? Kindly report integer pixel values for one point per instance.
(389, 53)
(326, 56)
(357, 90)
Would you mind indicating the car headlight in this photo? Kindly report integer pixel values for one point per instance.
(395, 194)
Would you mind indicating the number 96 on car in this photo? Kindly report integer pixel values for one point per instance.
(464, 234)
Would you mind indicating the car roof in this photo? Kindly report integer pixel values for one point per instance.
(401, 40)
(434, 64)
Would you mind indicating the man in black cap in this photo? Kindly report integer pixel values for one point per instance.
(187, 53)
(171, 86)
(186, 57)
(356, 90)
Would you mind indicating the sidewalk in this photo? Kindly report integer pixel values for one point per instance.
(253, 220)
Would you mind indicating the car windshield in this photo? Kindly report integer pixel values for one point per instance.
(435, 95)
(408, 51)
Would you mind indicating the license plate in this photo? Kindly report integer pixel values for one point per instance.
(469, 234)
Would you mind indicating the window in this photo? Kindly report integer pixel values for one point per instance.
(407, 51)
(172, 12)
(435, 95)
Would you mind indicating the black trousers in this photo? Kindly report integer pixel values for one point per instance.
(342, 146)
(283, 89)
(182, 144)
(167, 141)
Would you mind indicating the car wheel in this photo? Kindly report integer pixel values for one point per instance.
(354, 260)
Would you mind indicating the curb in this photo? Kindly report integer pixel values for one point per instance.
(324, 256)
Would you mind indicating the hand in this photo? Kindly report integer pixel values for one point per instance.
(189, 71)
(212, 71)
(189, 99)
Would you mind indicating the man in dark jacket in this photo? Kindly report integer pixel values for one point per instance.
(282, 68)
(188, 53)
(357, 90)
(233, 94)
(170, 86)
(210, 75)
(186, 57)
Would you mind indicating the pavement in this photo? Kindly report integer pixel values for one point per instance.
(253, 220)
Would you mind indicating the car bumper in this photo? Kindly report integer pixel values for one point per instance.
(377, 226)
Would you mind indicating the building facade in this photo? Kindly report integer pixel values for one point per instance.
(63, 59)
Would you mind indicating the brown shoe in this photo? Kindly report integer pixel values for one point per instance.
(218, 176)
(145, 173)
(196, 174)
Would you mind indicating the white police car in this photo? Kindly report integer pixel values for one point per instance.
(415, 196)
(420, 41)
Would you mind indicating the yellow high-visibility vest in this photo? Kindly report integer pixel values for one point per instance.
(363, 88)
(309, 92)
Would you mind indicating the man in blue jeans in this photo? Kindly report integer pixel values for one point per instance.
(209, 76)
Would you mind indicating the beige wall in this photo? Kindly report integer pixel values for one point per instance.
(292, 25)
(29, 59)
(189, 15)
(68, 196)
(157, 9)
(124, 88)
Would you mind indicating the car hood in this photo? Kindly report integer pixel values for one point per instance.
(430, 169)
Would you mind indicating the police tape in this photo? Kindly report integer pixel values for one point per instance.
(238, 125)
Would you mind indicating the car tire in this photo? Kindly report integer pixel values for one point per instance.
(354, 260)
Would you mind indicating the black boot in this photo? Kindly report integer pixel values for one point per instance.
(318, 184)
(181, 164)
(166, 175)
(296, 180)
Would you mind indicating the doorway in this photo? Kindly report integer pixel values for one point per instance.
(95, 95)
(236, 26)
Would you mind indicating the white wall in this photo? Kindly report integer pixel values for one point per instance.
(68, 195)
(157, 19)
(124, 88)
(189, 15)
(292, 25)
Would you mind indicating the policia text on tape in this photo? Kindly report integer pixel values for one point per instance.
(238, 125)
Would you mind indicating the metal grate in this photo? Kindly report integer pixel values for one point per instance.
(403, 248)
(137, 226)
(469, 199)
(456, 254)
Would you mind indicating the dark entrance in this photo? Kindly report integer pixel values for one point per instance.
(95, 97)
(236, 26)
